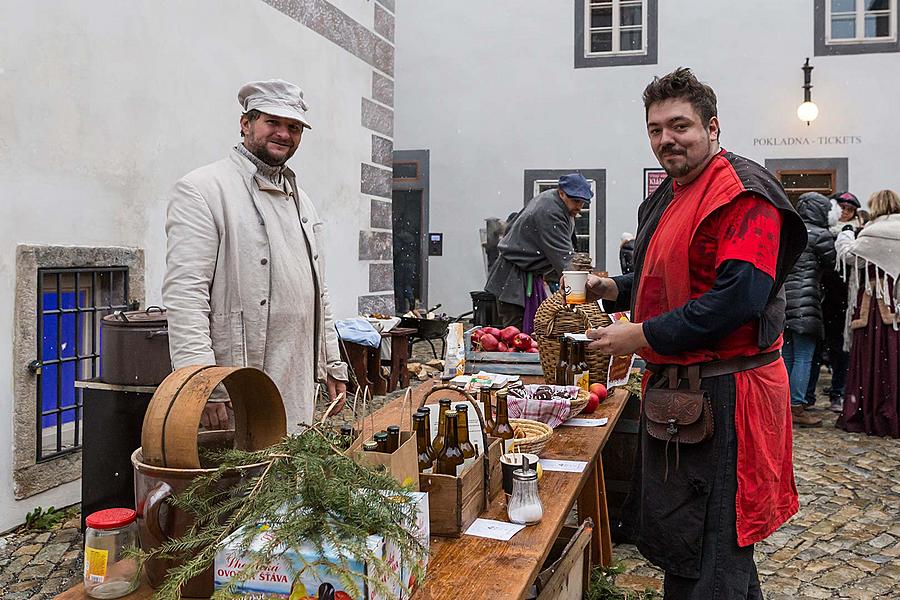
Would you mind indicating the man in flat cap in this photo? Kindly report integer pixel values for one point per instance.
(538, 245)
(245, 280)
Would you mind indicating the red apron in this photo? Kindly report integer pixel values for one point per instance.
(700, 229)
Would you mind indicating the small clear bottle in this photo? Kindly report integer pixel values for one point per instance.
(108, 535)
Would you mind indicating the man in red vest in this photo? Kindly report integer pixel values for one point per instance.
(714, 245)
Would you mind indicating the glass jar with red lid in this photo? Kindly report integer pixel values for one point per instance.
(108, 573)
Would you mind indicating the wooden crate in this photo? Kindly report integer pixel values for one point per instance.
(565, 574)
(455, 502)
(505, 363)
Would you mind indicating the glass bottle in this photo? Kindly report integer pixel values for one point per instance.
(524, 506)
(451, 456)
(582, 374)
(462, 432)
(347, 435)
(420, 424)
(393, 432)
(563, 366)
(426, 412)
(488, 411)
(502, 428)
(381, 438)
(438, 442)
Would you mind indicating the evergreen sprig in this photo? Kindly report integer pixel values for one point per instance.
(302, 490)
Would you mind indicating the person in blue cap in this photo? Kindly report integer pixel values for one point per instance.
(537, 246)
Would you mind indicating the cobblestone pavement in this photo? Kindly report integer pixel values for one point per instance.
(844, 542)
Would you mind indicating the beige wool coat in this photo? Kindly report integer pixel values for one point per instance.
(217, 282)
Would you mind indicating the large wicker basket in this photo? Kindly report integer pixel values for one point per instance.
(553, 319)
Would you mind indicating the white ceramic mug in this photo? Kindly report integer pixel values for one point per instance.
(575, 286)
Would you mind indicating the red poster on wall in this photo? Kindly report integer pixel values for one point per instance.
(652, 180)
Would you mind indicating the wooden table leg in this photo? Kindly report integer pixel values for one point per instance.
(356, 358)
(589, 507)
(399, 360)
(373, 368)
(603, 523)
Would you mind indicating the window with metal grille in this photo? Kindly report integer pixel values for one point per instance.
(71, 303)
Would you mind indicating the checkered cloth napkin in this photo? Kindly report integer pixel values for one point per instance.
(550, 404)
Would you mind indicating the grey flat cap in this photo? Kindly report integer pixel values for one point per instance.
(275, 97)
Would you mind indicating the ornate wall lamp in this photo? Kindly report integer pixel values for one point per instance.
(808, 111)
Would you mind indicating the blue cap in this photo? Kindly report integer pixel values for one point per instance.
(576, 186)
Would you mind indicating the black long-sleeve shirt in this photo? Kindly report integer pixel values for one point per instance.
(739, 294)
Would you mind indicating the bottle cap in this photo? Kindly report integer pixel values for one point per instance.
(462, 408)
(111, 518)
(370, 445)
(451, 413)
(393, 429)
(381, 435)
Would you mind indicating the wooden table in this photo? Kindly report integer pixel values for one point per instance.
(472, 567)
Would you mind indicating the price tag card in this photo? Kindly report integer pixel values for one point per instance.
(587, 422)
(563, 466)
(494, 530)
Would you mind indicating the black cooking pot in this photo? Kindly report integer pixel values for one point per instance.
(134, 347)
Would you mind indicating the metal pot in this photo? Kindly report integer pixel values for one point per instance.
(135, 347)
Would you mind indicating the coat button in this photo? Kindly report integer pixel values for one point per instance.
(315, 257)
(262, 302)
(264, 261)
(305, 220)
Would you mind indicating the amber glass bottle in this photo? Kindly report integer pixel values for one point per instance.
(420, 423)
(581, 374)
(426, 412)
(438, 442)
(451, 456)
(381, 438)
(393, 432)
(486, 408)
(562, 368)
(502, 428)
(462, 432)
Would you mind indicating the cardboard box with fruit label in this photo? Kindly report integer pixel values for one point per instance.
(299, 573)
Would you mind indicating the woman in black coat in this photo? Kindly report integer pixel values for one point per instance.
(804, 325)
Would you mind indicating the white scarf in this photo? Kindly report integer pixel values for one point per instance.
(877, 246)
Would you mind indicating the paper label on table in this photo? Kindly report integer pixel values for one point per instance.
(494, 530)
(587, 422)
(563, 466)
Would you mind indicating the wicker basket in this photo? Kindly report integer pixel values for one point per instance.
(536, 436)
(577, 405)
(553, 319)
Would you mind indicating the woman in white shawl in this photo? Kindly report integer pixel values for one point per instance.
(871, 262)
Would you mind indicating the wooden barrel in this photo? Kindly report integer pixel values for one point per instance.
(169, 434)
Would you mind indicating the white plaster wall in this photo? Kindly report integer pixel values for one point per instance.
(490, 89)
(107, 103)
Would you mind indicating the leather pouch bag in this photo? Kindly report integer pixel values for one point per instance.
(675, 414)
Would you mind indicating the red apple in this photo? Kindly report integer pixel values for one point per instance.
(489, 343)
(509, 333)
(593, 403)
(534, 344)
(522, 341)
(501, 347)
(600, 390)
(492, 330)
(533, 350)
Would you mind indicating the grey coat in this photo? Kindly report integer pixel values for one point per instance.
(539, 241)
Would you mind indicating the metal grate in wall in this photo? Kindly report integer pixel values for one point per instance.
(71, 303)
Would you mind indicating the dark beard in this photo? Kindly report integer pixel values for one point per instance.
(262, 154)
(688, 166)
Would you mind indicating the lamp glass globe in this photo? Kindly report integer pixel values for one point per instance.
(808, 111)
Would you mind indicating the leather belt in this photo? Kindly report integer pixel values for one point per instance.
(721, 367)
